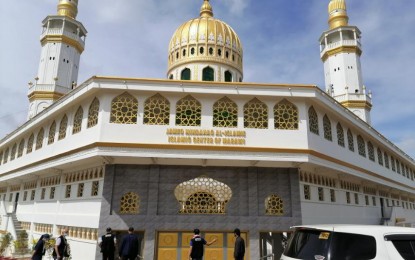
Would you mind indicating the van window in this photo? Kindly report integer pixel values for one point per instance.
(404, 244)
(352, 246)
(308, 244)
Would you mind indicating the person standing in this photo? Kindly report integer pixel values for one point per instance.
(197, 244)
(61, 246)
(129, 246)
(107, 244)
(239, 250)
(40, 248)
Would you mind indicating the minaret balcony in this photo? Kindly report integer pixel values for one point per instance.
(343, 43)
(61, 32)
(353, 97)
(48, 88)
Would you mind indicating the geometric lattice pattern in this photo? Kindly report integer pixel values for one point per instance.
(313, 121)
(340, 135)
(327, 128)
(93, 113)
(124, 109)
(39, 139)
(62, 127)
(380, 157)
(13, 153)
(6, 156)
(130, 203)
(77, 121)
(361, 146)
(255, 114)
(307, 194)
(203, 195)
(371, 151)
(386, 157)
(156, 110)
(30, 143)
(188, 112)
(285, 116)
(350, 140)
(52, 131)
(225, 113)
(274, 205)
(21, 148)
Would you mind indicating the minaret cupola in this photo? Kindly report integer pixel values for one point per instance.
(68, 8)
(205, 49)
(340, 51)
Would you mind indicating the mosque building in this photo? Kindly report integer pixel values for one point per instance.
(199, 149)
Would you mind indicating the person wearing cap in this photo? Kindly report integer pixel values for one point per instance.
(197, 244)
(40, 247)
(239, 250)
(107, 244)
(129, 246)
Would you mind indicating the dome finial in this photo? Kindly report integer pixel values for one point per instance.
(206, 9)
(338, 14)
(68, 8)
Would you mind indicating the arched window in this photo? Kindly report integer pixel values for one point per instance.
(225, 113)
(156, 110)
(313, 121)
(185, 75)
(361, 146)
(62, 127)
(51, 135)
(39, 139)
(386, 157)
(130, 203)
(340, 135)
(327, 128)
(255, 114)
(208, 74)
(6, 156)
(393, 164)
(371, 151)
(274, 205)
(171, 76)
(350, 140)
(21, 148)
(380, 157)
(285, 116)
(228, 76)
(188, 112)
(13, 153)
(93, 113)
(124, 109)
(30, 143)
(77, 121)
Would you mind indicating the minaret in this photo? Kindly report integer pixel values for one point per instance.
(340, 51)
(63, 41)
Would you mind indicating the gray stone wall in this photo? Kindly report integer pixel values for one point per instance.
(159, 208)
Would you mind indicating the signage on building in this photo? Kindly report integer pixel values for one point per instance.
(206, 136)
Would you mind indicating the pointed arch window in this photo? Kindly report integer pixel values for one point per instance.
(386, 157)
(124, 109)
(6, 156)
(156, 110)
(130, 203)
(350, 140)
(13, 153)
(274, 205)
(340, 135)
(39, 139)
(52, 131)
(30, 143)
(225, 113)
(361, 146)
(188, 112)
(63, 127)
(93, 113)
(21, 148)
(327, 128)
(371, 151)
(285, 116)
(185, 74)
(228, 76)
(313, 121)
(208, 74)
(393, 164)
(380, 157)
(255, 114)
(77, 121)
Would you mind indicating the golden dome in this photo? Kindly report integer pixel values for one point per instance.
(205, 39)
(68, 8)
(338, 14)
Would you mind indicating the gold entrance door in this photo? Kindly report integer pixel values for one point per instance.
(176, 245)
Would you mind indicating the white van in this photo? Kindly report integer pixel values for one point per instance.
(350, 242)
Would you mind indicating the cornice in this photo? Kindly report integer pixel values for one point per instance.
(64, 39)
(341, 49)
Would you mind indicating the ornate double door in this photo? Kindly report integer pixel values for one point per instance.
(176, 245)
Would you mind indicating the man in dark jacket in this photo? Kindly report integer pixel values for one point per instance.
(107, 245)
(129, 246)
(61, 246)
(197, 244)
(239, 250)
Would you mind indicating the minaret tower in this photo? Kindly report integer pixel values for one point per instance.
(63, 41)
(340, 51)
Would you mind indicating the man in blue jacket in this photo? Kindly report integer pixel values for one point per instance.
(129, 246)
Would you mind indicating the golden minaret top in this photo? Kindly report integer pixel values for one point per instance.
(338, 14)
(206, 9)
(68, 8)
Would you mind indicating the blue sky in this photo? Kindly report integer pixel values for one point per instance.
(129, 38)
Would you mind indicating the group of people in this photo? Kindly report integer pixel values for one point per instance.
(129, 247)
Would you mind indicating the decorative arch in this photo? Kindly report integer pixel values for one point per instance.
(39, 138)
(21, 148)
(202, 195)
(77, 121)
(371, 151)
(124, 109)
(63, 127)
(130, 203)
(6, 155)
(327, 128)
(52, 131)
(225, 113)
(340, 135)
(30, 143)
(380, 158)
(13, 152)
(93, 113)
(313, 121)
(185, 74)
(255, 114)
(274, 205)
(188, 112)
(208, 74)
(350, 140)
(228, 76)
(361, 146)
(156, 110)
(285, 116)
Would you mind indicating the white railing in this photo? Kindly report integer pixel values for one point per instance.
(341, 43)
(353, 96)
(54, 31)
